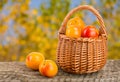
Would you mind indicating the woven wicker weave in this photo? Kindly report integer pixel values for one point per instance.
(82, 55)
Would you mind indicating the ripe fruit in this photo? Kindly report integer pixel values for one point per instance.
(73, 31)
(90, 31)
(76, 21)
(34, 59)
(48, 68)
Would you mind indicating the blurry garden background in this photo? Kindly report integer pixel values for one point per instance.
(32, 25)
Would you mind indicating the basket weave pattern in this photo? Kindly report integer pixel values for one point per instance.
(82, 55)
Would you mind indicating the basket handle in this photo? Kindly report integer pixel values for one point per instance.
(83, 7)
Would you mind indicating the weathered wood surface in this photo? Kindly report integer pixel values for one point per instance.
(18, 72)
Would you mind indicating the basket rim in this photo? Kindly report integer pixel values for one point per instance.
(100, 38)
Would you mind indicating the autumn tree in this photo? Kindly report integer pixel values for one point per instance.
(24, 29)
(34, 29)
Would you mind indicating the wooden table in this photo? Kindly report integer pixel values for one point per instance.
(18, 72)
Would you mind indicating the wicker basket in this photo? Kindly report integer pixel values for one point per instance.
(82, 55)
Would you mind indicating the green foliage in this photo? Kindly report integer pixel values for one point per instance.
(36, 29)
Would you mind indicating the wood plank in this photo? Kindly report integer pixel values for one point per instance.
(18, 72)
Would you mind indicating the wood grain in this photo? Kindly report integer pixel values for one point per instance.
(18, 72)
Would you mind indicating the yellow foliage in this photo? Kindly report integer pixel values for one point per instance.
(0, 47)
(22, 58)
(22, 42)
(6, 19)
(35, 38)
(37, 30)
(29, 27)
(24, 7)
(14, 10)
(3, 28)
(54, 19)
(13, 57)
(34, 12)
(46, 24)
(39, 19)
(27, 1)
